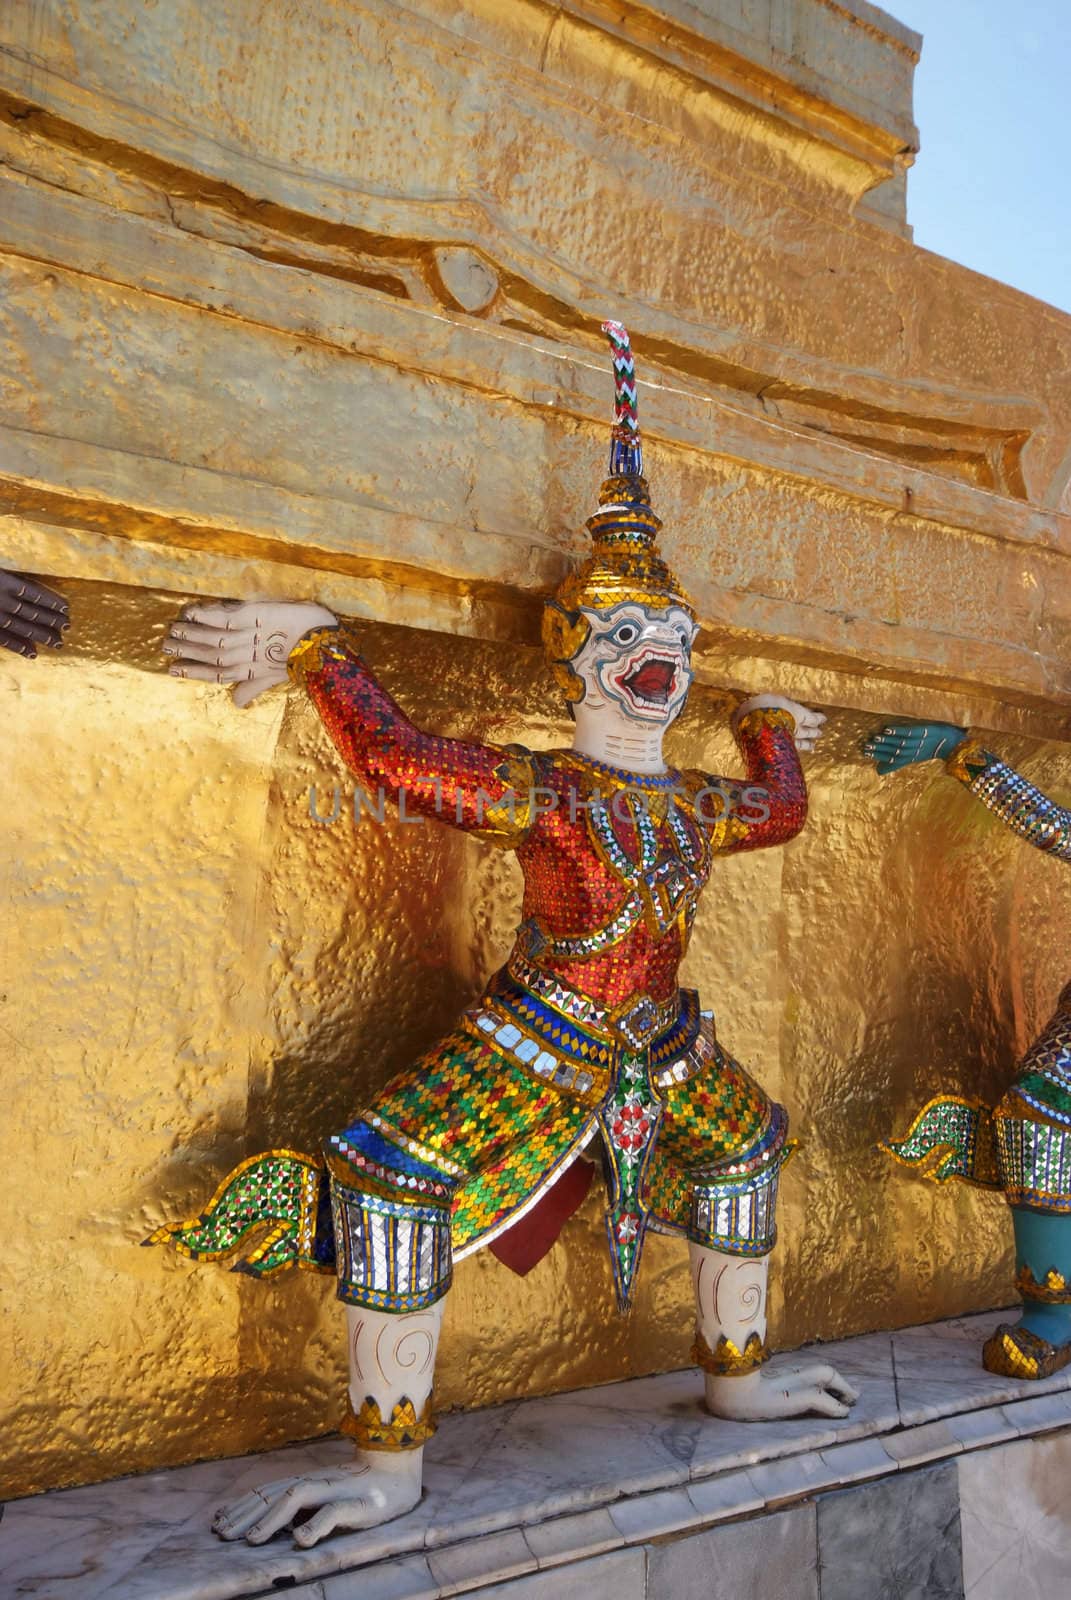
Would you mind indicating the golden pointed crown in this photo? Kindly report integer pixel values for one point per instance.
(625, 563)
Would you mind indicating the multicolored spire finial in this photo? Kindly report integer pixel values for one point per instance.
(626, 454)
(624, 564)
(624, 517)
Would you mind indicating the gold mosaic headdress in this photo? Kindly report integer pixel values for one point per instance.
(625, 563)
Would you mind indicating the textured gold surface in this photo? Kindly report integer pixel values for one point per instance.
(195, 970)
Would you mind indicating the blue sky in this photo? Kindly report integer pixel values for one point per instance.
(991, 185)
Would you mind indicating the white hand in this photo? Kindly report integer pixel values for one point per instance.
(371, 1492)
(808, 723)
(240, 642)
(786, 1392)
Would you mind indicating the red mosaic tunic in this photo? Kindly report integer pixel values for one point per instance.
(613, 862)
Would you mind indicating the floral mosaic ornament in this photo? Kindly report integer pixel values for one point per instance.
(629, 1119)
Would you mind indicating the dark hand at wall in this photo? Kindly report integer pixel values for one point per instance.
(30, 615)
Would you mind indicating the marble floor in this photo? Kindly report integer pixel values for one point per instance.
(522, 1487)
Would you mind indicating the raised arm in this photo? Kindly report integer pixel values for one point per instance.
(480, 788)
(1011, 797)
(769, 806)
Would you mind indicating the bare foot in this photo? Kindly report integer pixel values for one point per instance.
(788, 1392)
(359, 1497)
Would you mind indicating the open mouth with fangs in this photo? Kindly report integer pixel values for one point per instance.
(652, 682)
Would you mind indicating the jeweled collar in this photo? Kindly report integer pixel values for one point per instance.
(670, 779)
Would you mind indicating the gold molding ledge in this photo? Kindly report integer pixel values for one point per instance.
(51, 215)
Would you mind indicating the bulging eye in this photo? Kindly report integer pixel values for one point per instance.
(625, 633)
(684, 635)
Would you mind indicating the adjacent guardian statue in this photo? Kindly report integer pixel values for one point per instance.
(1022, 1146)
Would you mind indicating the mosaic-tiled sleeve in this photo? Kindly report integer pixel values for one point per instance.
(1011, 797)
(480, 788)
(770, 806)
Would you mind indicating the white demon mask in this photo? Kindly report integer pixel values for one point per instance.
(637, 661)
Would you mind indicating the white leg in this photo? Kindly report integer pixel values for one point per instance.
(730, 1310)
(391, 1365)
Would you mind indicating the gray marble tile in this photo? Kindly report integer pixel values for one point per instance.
(853, 1463)
(572, 1452)
(71, 1557)
(898, 1536)
(650, 1516)
(771, 1556)
(561, 1539)
(76, 1544)
(939, 1370)
(1041, 1413)
(929, 1441)
(462, 1438)
(621, 1575)
(410, 1578)
(731, 1494)
(790, 1478)
(869, 1356)
(477, 1562)
(1016, 1509)
(977, 1429)
(724, 1446)
(671, 1404)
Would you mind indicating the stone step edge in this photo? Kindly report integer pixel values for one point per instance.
(738, 1494)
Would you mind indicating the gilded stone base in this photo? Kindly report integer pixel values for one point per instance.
(1018, 1353)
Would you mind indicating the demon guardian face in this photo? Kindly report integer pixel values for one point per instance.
(637, 660)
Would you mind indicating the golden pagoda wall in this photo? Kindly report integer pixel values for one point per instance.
(304, 300)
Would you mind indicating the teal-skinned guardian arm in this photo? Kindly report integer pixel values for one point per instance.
(901, 744)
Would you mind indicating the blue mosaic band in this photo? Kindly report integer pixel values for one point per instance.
(540, 1008)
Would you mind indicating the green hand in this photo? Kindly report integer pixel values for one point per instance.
(903, 743)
